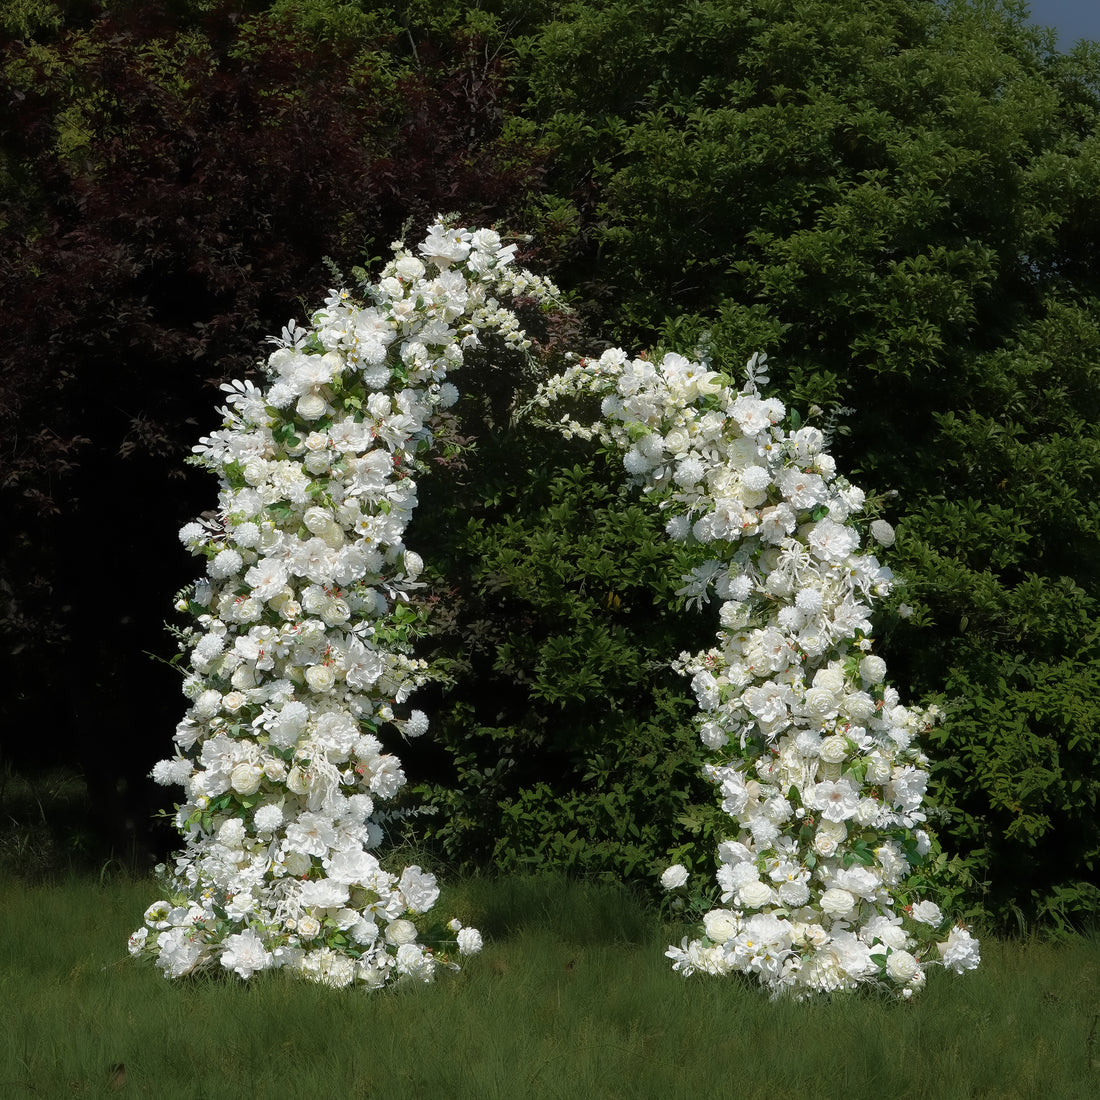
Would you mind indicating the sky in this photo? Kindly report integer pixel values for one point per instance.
(1072, 19)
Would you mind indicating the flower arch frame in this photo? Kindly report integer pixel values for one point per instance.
(300, 652)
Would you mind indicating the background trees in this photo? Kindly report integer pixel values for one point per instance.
(895, 199)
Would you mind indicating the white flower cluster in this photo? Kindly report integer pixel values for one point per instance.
(815, 759)
(298, 656)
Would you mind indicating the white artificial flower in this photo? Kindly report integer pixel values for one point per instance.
(927, 912)
(245, 954)
(307, 561)
(672, 878)
(960, 952)
(469, 941)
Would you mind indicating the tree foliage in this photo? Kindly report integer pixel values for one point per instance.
(894, 198)
(174, 178)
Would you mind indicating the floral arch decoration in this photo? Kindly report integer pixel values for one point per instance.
(299, 654)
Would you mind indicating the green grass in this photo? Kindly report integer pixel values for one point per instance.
(571, 998)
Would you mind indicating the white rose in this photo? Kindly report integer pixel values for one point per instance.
(872, 669)
(674, 877)
(296, 864)
(232, 701)
(893, 936)
(878, 767)
(859, 706)
(927, 912)
(255, 471)
(831, 678)
(754, 894)
(721, 925)
(243, 678)
(901, 966)
(676, 442)
(882, 532)
(311, 406)
(248, 610)
(333, 535)
(837, 902)
(320, 678)
(819, 703)
(316, 520)
(829, 834)
(867, 810)
(834, 749)
(400, 931)
(275, 769)
(335, 612)
(246, 778)
(309, 927)
(296, 781)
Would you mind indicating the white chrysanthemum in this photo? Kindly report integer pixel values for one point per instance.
(174, 772)
(416, 724)
(226, 563)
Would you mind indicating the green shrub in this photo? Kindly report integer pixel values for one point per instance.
(562, 738)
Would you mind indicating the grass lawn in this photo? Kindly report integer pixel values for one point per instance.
(571, 998)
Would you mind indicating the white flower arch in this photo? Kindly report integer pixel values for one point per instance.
(300, 652)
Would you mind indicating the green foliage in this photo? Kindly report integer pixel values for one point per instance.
(892, 198)
(562, 738)
(895, 198)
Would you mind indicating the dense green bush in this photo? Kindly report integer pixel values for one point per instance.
(894, 198)
(561, 737)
